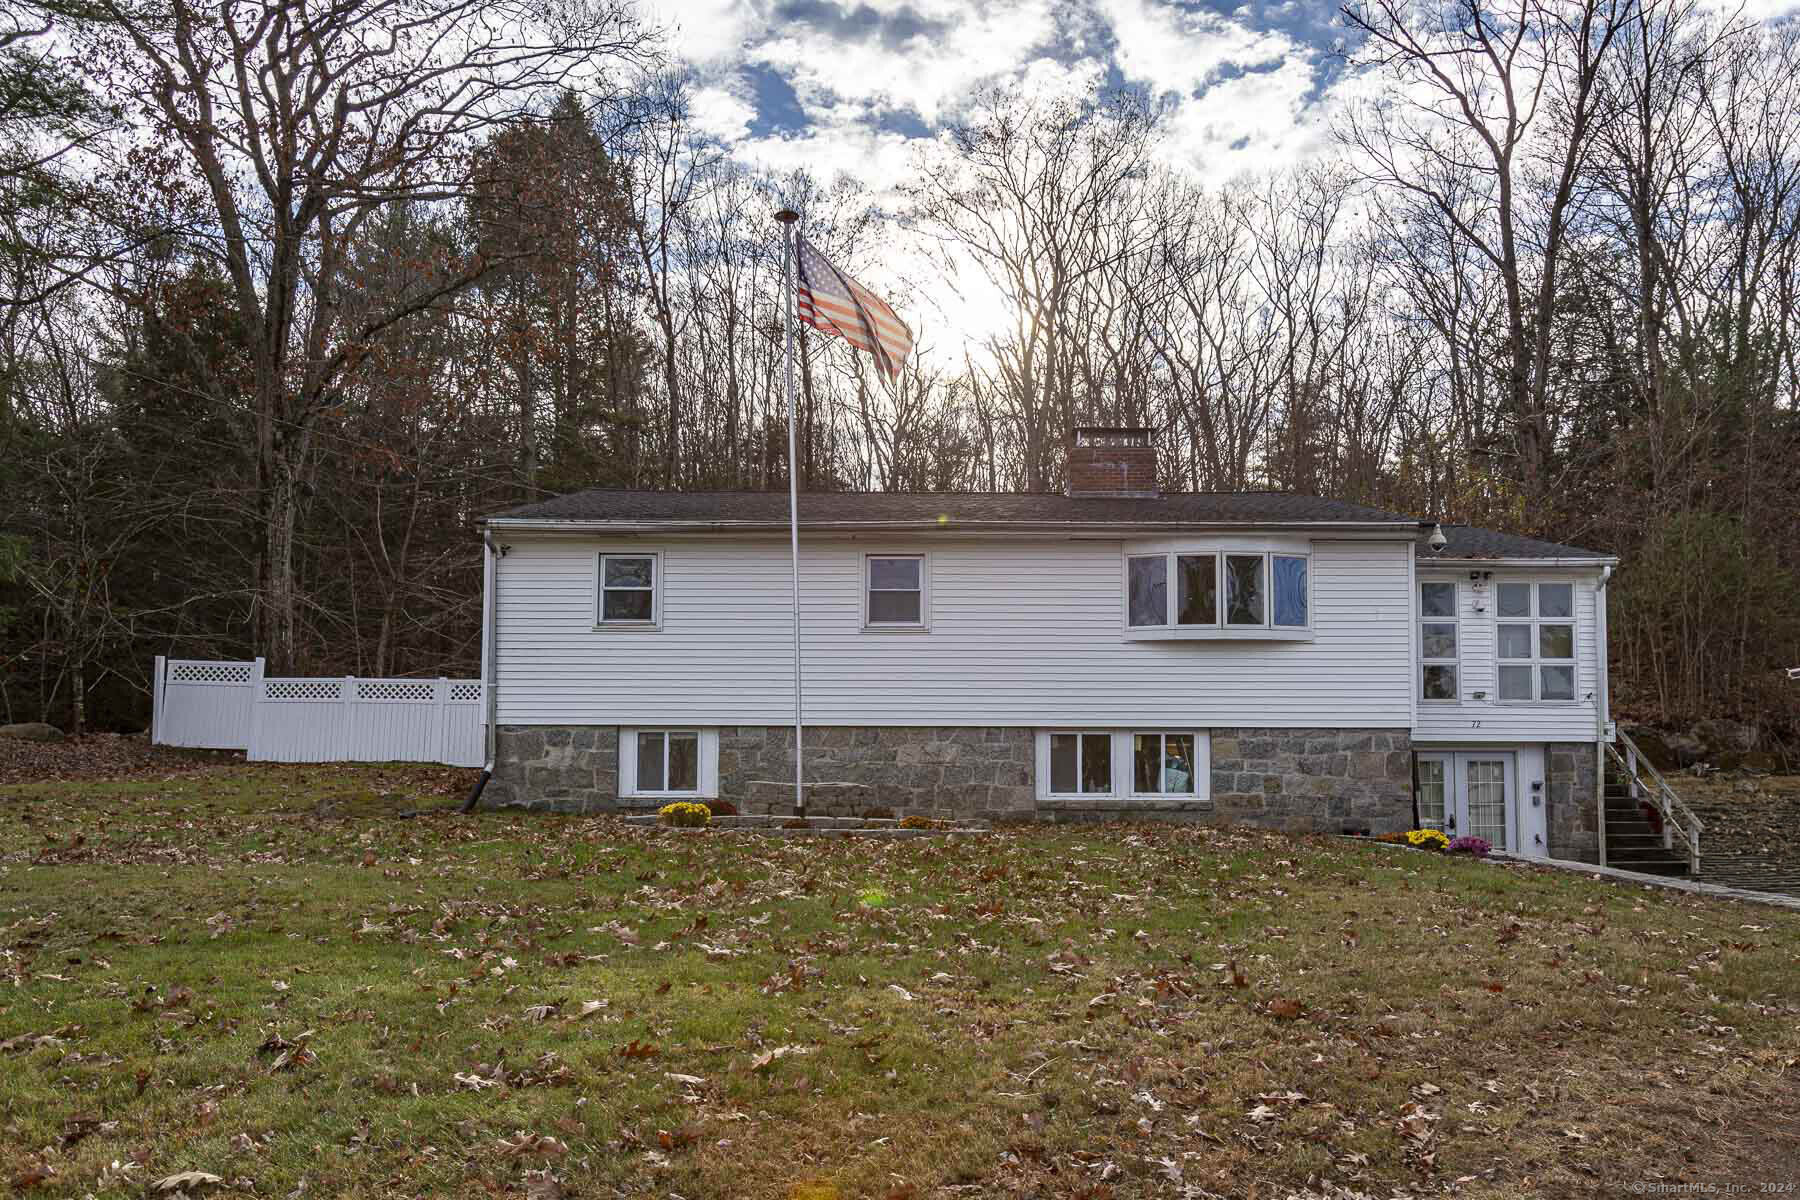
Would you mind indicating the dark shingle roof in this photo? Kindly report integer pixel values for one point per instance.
(1466, 541)
(953, 509)
(880, 508)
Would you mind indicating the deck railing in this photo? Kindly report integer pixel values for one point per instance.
(1647, 783)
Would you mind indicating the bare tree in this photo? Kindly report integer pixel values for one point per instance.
(301, 122)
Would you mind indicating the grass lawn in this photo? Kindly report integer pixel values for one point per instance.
(268, 975)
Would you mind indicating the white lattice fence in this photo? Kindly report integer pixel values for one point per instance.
(319, 720)
(202, 704)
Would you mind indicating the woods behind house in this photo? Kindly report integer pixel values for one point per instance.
(291, 295)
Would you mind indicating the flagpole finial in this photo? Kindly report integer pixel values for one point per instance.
(787, 216)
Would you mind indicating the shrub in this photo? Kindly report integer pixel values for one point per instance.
(917, 822)
(1479, 847)
(1427, 839)
(685, 814)
(1392, 839)
(722, 808)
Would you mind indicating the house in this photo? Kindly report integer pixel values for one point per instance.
(1282, 660)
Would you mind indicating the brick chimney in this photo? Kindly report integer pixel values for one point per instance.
(1112, 462)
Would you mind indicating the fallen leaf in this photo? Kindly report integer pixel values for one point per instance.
(181, 1181)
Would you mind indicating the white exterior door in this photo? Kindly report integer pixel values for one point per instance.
(1470, 794)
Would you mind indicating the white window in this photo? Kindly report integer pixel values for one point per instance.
(674, 762)
(1144, 763)
(628, 590)
(896, 592)
(1182, 589)
(1163, 764)
(1081, 764)
(1439, 658)
(1535, 641)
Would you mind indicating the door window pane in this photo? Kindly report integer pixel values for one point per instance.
(1244, 589)
(1559, 683)
(1515, 683)
(684, 762)
(1439, 682)
(1556, 641)
(1431, 793)
(1486, 801)
(1096, 763)
(1438, 641)
(650, 762)
(1556, 600)
(1065, 748)
(1149, 598)
(1197, 576)
(1515, 641)
(1290, 589)
(1515, 599)
(1437, 599)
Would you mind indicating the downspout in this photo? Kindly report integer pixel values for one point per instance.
(489, 567)
(1602, 706)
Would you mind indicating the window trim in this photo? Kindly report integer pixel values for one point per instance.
(1199, 737)
(1081, 736)
(923, 625)
(1219, 628)
(1454, 620)
(706, 774)
(601, 621)
(1536, 662)
(1124, 788)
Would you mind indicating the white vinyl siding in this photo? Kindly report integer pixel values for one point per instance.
(1023, 633)
(1481, 715)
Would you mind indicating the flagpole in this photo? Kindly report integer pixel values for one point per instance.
(790, 317)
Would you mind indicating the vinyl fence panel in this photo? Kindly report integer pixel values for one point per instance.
(232, 706)
(205, 705)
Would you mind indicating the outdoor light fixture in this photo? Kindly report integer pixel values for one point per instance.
(1437, 541)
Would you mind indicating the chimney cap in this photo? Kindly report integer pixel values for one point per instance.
(1112, 435)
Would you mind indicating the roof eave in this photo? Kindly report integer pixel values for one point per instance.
(1400, 528)
(1595, 560)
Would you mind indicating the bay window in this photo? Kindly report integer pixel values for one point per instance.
(1189, 592)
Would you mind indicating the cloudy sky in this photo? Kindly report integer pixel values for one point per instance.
(854, 85)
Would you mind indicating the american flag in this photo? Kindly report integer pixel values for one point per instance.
(832, 302)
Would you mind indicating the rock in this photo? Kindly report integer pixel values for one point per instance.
(31, 731)
(1667, 751)
(1720, 736)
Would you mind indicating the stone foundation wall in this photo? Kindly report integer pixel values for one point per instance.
(956, 772)
(1307, 780)
(1292, 779)
(569, 769)
(1571, 817)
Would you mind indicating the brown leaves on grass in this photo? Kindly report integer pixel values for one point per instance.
(523, 1144)
(289, 1055)
(637, 1049)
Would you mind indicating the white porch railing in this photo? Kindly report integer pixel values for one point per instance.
(1647, 783)
(232, 706)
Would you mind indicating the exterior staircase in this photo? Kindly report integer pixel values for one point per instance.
(1648, 827)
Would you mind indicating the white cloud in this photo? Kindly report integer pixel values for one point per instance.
(1177, 50)
(705, 32)
(931, 74)
(719, 111)
(1254, 122)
